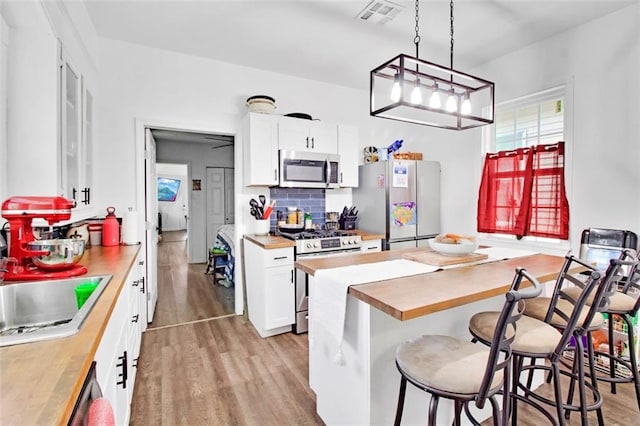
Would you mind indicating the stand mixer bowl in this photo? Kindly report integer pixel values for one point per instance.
(63, 253)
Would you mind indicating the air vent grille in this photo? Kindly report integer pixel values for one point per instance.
(380, 11)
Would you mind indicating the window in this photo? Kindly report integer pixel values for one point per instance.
(522, 193)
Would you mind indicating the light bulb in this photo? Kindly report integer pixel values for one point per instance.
(452, 104)
(465, 108)
(434, 101)
(416, 94)
(396, 90)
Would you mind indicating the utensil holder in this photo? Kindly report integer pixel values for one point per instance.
(263, 227)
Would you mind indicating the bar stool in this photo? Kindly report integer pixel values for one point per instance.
(624, 304)
(462, 371)
(539, 338)
(588, 319)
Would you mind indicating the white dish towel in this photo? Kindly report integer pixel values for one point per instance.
(329, 303)
(499, 253)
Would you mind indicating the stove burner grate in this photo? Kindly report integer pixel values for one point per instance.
(308, 235)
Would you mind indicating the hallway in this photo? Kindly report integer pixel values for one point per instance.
(185, 292)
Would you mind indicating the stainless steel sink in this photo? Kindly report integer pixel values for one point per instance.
(41, 310)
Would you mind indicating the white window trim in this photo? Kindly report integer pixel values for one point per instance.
(559, 247)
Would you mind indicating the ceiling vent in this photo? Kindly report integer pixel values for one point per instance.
(380, 11)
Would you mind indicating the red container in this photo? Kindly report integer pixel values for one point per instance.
(110, 229)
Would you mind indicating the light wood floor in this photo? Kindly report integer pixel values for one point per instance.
(221, 372)
(185, 292)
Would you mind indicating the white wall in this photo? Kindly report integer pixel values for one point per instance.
(174, 213)
(4, 42)
(602, 59)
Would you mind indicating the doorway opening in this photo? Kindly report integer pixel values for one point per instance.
(194, 162)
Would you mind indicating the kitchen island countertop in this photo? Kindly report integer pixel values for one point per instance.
(41, 381)
(411, 297)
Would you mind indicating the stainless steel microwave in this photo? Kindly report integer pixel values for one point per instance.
(301, 169)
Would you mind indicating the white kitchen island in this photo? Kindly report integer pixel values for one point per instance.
(363, 389)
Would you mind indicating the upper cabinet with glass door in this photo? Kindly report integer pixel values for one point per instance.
(76, 135)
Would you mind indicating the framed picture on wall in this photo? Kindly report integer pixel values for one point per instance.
(168, 189)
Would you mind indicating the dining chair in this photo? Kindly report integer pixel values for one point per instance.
(624, 305)
(456, 369)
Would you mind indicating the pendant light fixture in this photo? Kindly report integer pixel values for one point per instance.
(407, 88)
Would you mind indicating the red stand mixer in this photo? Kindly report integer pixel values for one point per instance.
(20, 212)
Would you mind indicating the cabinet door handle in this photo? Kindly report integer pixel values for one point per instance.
(134, 319)
(142, 286)
(141, 262)
(341, 180)
(275, 174)
(292, 276)
(123, 373)
(87, 195)
(134, 364)
(372, 248)
(73, 193)
(135, 283)
(307, 138)
(280, 257)
(313, 142)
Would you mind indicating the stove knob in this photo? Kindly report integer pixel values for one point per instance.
(309, 245)
(353, 241)
(345, 242)
(316, 244)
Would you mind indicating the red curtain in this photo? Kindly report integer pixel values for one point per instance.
(522, 193)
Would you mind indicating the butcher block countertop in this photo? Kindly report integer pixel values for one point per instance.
(41, 381)
(418, 295)
(273, 242)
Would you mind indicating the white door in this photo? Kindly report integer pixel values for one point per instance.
(151, 223)
(229, 196)
(215, 203)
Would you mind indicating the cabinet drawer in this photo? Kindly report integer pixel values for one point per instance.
(277, 257)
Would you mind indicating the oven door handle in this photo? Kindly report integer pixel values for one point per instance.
(327, 172)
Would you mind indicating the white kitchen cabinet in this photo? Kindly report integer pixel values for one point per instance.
(119, 349)
(112, 360)
(76, 130)
(270, 288)
(371, 246)
(348, 148)
(297, 134)
(261, 149)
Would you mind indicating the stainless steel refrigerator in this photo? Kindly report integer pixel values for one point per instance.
(400, 199)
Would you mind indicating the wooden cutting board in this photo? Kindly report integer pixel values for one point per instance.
(437, 259)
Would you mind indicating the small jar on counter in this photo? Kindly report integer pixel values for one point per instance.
(292, 217)
(299, 217)
(308, 222)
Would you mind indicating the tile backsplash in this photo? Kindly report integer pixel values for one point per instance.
(306, 199)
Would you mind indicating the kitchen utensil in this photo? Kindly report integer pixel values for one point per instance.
(269, 209)
(62, 254)
(253, 203)
(301, 115)
(255, 213)
(263, 200)
(20, 212)
(292, 228)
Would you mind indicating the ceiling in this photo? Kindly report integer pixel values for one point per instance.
(326, 41)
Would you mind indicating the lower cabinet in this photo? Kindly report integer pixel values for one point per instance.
(117, 354)
(370, 246)
(270, 287)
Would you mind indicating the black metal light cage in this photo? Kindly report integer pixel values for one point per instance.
(409, 72)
